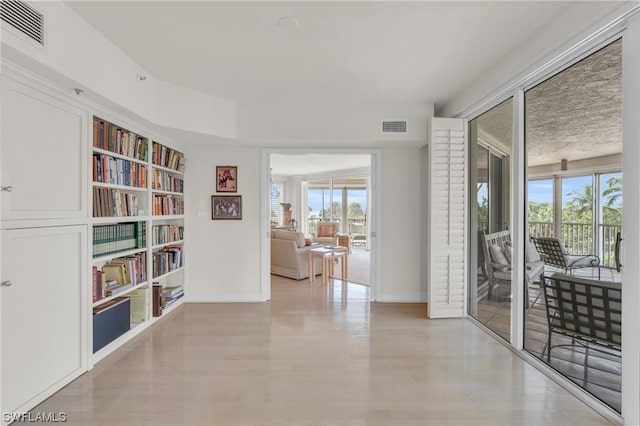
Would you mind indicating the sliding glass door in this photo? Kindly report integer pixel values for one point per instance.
(573, 144)
(490, 146)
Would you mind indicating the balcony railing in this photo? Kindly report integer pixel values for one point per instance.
(578, 238)
(313, 223)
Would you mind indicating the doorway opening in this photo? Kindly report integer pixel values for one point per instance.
(323, 200)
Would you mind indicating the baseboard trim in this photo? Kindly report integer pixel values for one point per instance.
(240, 298)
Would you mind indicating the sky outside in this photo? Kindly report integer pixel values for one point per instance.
(353, 196)
(541, 191)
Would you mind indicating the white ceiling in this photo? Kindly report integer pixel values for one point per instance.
(364, 51)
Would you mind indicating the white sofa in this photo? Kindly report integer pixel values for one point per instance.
(290, 255)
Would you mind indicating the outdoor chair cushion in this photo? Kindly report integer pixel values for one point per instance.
(508, 252)
(576, 261)
(530, 252)
(326, 230)
(502, 274)
(498, 257)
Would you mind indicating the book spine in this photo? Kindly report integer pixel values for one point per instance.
(95, 283)
(156, 300)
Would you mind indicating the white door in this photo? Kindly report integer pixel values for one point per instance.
(43, 323)
(43, 155)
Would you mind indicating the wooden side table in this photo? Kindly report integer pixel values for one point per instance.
(324, 253)
(345, 241)
(320, 252)
(327, 267)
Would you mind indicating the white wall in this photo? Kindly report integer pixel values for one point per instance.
(223, 256)
(342, 125)
(76, 55)
(400, 258)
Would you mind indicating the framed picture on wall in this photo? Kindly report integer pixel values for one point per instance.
(226, 207)
(226, 179)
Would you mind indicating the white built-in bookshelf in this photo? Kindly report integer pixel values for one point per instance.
(137, 263)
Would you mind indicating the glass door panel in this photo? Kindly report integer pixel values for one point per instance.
(573, 126)
(490, 157)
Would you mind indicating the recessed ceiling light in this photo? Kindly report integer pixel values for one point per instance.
(288, 23)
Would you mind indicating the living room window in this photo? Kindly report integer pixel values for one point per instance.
(276, 199)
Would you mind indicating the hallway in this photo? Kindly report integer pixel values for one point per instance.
(315, 356)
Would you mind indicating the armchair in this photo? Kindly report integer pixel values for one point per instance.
(358, 233)
(327, 233)
(497, 255)
(554, 253)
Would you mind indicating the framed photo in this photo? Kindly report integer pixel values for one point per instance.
(226, 207)
(226, 179)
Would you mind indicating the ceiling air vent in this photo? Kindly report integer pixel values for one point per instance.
(23, 17)
(397, 126)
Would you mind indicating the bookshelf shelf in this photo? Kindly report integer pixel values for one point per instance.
(170, 243)
(169, 273)
(124, 293)
(116, 155)
(166, 169)
(120, 187)
(153, 177)
(173, 306)
(116, 219)
(167, 216)
(123, 253)
(158, 191)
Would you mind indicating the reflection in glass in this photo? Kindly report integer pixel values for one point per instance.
(573, 145)
(490, 156)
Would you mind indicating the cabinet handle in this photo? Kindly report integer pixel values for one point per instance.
(7, 283)
(6, 188)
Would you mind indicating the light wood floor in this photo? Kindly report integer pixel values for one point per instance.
(315, 356)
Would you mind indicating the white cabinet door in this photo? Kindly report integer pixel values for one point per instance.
(42, 155)
(43, 322)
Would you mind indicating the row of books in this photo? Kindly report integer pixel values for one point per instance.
(118, 237)
(164, 181)
(119, 275)
(116, 171)
(167, 205)
(108, 202)
(166, 260)
(167, 157)
(112, 138)
(167, 233)
(171, 294)
(163, 297)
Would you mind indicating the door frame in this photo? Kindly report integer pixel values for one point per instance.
(623, 23)
(373, 218)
